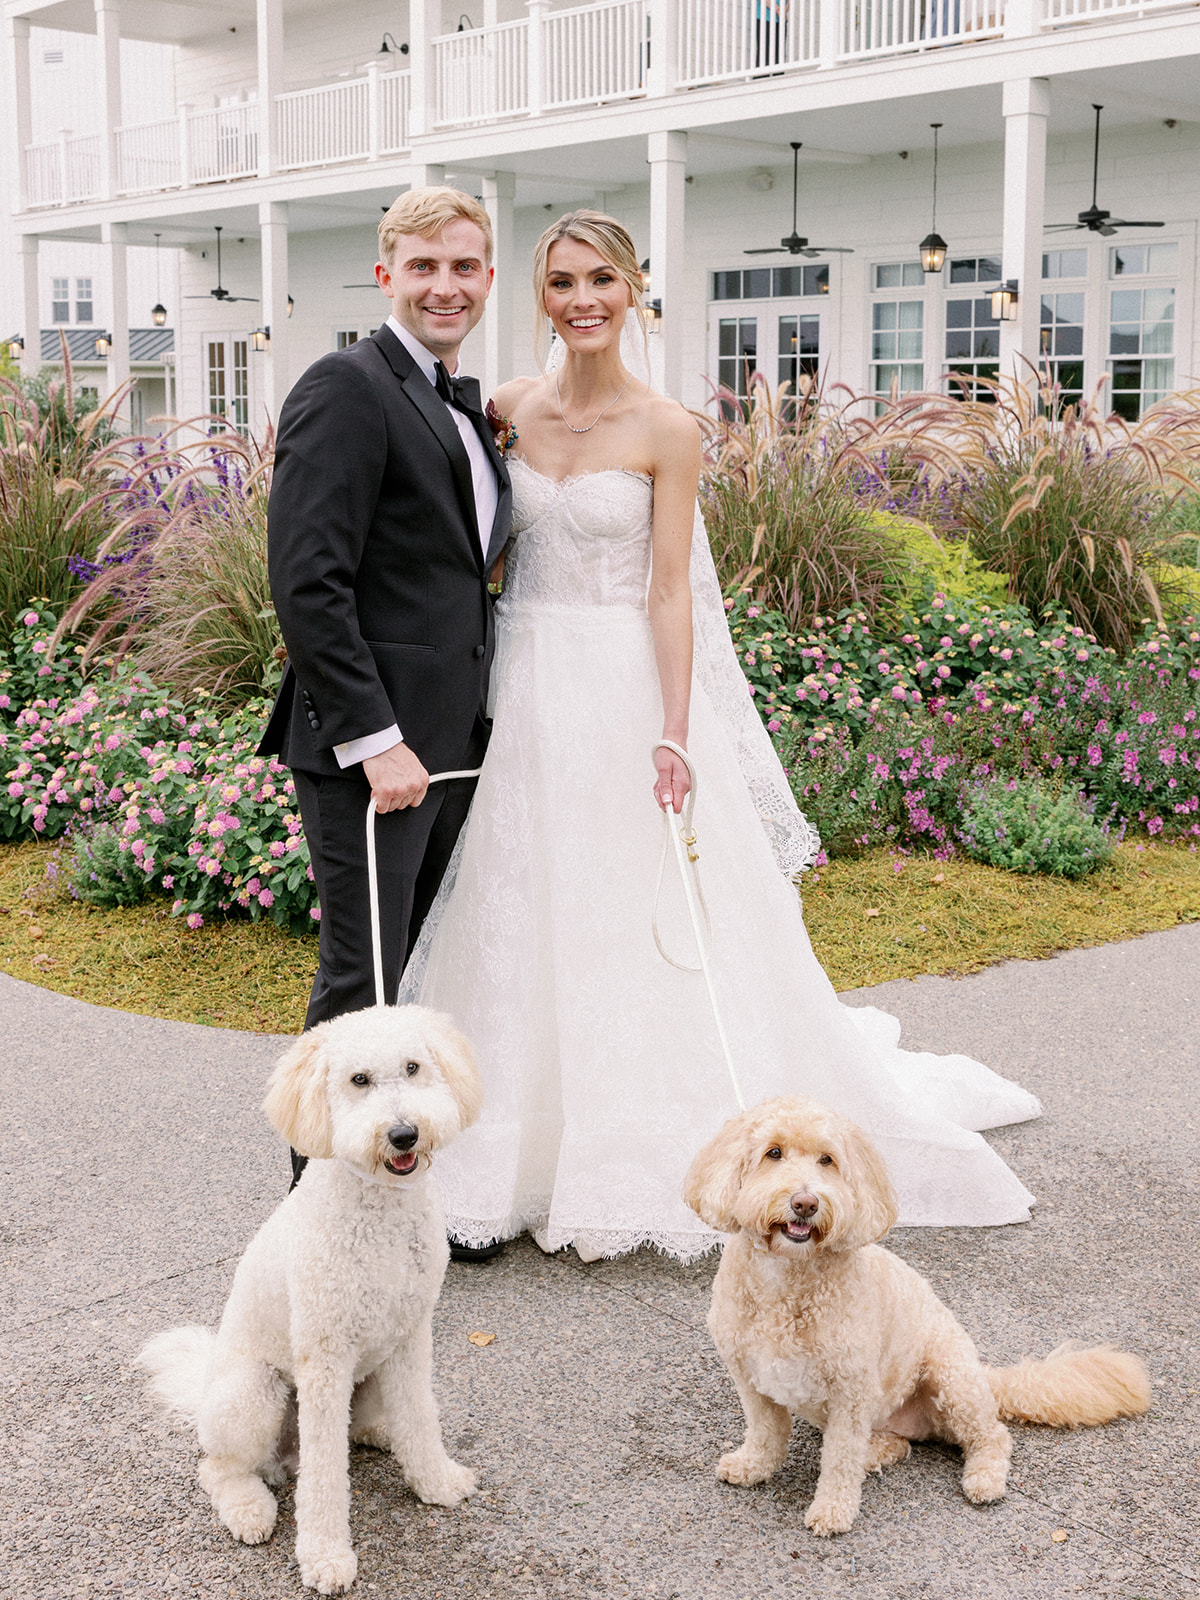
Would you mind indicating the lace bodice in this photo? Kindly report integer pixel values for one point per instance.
(581, 541)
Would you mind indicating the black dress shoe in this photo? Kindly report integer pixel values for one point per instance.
(472, 1252)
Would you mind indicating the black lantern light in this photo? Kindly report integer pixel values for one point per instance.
(933, 246)
(158, 313)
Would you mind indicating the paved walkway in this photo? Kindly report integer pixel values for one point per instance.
(136, 1165)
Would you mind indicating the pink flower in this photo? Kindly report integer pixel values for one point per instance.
(30, 619)
(156, 814)
(773, 726)
(169, 881)
(752, 611)
(254, 886)
(195, 920)
(266, 898)
(275, 848)
(315, 911)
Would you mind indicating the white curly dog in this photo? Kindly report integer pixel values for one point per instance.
(814, 1319)
(334, 1296)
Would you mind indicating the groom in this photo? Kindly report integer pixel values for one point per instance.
(389, 506)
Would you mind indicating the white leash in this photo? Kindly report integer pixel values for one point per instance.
(680, 832)
(373, 877)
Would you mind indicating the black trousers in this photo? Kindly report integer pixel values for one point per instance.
(413, 849)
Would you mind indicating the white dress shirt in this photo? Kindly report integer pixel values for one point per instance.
(487, 494)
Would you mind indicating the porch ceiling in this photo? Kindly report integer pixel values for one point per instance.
(163, 21)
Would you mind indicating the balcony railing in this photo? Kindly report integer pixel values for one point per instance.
(549, 61)
(482, 76)
(722, 39)
(63, 173)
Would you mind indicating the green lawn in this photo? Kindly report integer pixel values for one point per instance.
(868, 921)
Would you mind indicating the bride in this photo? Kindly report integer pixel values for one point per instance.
(603, 1069)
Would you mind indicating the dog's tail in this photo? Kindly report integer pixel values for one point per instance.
(177, 1366)
(1072, 1387)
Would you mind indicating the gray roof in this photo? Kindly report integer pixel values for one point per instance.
(145, 344)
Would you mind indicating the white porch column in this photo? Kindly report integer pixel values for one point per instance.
(499, 192)
(31, 315)
(273, 228)
(22, 102)
(663, 41)
(270, 81)
(113, 238)
(424, 25)
(426, 175)
(668, 171)
(108, 35)
(1026, 107)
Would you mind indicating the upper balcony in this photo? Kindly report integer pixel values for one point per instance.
(546, 63)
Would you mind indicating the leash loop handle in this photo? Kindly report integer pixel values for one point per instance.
(373, 876)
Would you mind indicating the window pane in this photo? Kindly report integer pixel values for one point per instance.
(1125, 339)
(1068, 341)
(1126, 260)
(756, 283)
(958, 346)
(727, 286)
(1157, 379)
(989, 269)
(1064, 264)
(914, 276)
(810, 335)
(1127, 374)
(1127, 305)
(816, 280)
(908, 344)
(726, 337)
(1069, 307)
(987, 343)
(912, 313)
(883, 314)
(1162, 257)
(958, 314)
(787, 280)
(962, 271)
(1160, 305)
(883, 347)
(889, 276)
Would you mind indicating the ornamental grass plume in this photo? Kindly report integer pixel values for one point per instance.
(179, 587)
(1066, 502)
(54, 474)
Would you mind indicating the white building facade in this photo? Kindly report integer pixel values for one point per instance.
(289, 129)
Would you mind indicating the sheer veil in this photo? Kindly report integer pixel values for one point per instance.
(794, 841)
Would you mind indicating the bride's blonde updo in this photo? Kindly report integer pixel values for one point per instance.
(610, 240)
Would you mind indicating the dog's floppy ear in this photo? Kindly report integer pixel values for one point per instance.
(875, 1209)
(296, 1102)
(715, 1176)
(457, 1061)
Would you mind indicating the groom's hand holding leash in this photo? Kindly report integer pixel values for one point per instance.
(397, 779)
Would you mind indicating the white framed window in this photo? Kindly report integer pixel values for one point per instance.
(898, 275)
(1143, 260)
(60, 300)
(1141, 347)
(798, 349)
(974, 269)
(343, 338)
(83, 300)
(1071, 263)
(737, 354)
(771, 283)
(227, 368)
(1061, 343)
(897, 345)
(215, 372)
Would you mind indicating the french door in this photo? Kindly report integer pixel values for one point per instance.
(779, 340)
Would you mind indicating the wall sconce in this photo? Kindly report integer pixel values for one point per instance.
(390, 47)
(291, 305)
(158, 315)
(464, 22)
(654, 315)
(15, 346)
(1005, 301)
(261, 338)
(103, 345)
(933, 246)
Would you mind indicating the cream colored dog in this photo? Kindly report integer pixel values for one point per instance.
(334, 1296)
(814, 1319)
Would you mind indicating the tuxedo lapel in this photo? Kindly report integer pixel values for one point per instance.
(434, 411)
(500, 528)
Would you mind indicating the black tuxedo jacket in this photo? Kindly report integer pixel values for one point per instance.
(378, 574)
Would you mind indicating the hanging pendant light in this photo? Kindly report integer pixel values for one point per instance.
(158, 313)
(933, 246)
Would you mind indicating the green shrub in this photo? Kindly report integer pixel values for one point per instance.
(1023, 826)
(96, 866)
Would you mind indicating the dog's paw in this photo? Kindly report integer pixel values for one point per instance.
(329, 1571)
(375, 1438)
(743, 1467)
(986, 1483)
(885, 1450)
(246, 1506)
(446, 1487)
(826, 1516)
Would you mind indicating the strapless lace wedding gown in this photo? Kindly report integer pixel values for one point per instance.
(601, 1063)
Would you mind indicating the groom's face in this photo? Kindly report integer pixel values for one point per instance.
(438, 286)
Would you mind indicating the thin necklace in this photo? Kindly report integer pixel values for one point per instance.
(599, 414)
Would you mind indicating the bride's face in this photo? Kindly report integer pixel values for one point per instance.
(585, 297)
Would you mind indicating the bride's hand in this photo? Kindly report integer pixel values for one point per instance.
(671, 782)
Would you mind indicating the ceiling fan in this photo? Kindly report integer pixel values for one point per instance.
(795, 244)
(1094, 219)
(220, 294)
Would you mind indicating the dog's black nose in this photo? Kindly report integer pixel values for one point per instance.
(403, 1136)
(804, 1205)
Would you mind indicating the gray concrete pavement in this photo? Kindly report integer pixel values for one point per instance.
(136, 1165)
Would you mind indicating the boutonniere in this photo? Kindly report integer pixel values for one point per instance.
(503, 431)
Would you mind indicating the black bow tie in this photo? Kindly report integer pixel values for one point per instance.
(462, 393)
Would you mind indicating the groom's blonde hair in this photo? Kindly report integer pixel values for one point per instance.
(607, 238)
(422, 213)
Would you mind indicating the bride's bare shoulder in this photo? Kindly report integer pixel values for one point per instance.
(670, 428)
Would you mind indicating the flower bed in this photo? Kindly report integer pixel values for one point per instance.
(892, 739)
(152, 797)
